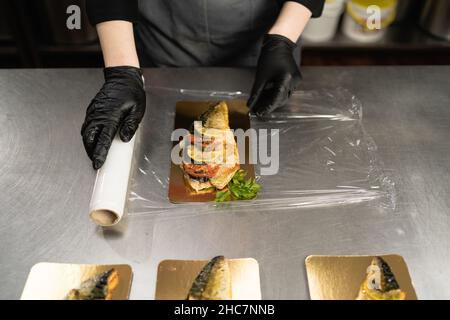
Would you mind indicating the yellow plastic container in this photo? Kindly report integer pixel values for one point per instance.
(367, 20)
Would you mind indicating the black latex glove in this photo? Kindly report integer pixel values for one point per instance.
(119, 106)
(277, 75)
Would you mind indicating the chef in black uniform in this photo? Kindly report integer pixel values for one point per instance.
(186, 33)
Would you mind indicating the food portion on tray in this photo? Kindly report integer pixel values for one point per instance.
(100, 287)
(380, 283)
(66, 281)
(217, 279)
(213, 282)
(212, 154)
(211, 166)
(347, 277)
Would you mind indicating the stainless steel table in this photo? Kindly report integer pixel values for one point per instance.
(46, 182)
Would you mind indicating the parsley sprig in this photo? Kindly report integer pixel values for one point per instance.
(239, 188)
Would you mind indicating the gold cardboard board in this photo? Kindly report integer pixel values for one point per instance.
(340, 277)
(186, 113)
(52, 281)
(175, 278)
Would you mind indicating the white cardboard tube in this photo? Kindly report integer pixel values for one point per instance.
(111, 185)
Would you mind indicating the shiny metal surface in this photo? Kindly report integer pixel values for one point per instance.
(46, 182)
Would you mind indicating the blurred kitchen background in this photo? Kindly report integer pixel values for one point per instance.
(33, 33)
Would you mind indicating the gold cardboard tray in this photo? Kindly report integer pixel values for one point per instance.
(186, 113)
(52, 281)
(175, 278)
(340, 277)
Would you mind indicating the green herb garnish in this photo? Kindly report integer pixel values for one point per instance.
(222, 196)
(239, 188)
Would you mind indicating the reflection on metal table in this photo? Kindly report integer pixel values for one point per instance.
(46, 182)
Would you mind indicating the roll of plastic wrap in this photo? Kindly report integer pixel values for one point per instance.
(111, 185)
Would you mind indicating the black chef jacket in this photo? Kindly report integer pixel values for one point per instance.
(183, 33)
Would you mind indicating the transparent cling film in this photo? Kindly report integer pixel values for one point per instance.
(325, 156)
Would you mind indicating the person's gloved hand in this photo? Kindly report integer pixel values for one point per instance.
(277, 75)
(119, 106)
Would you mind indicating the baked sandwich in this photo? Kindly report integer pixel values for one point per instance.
(210, 153)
